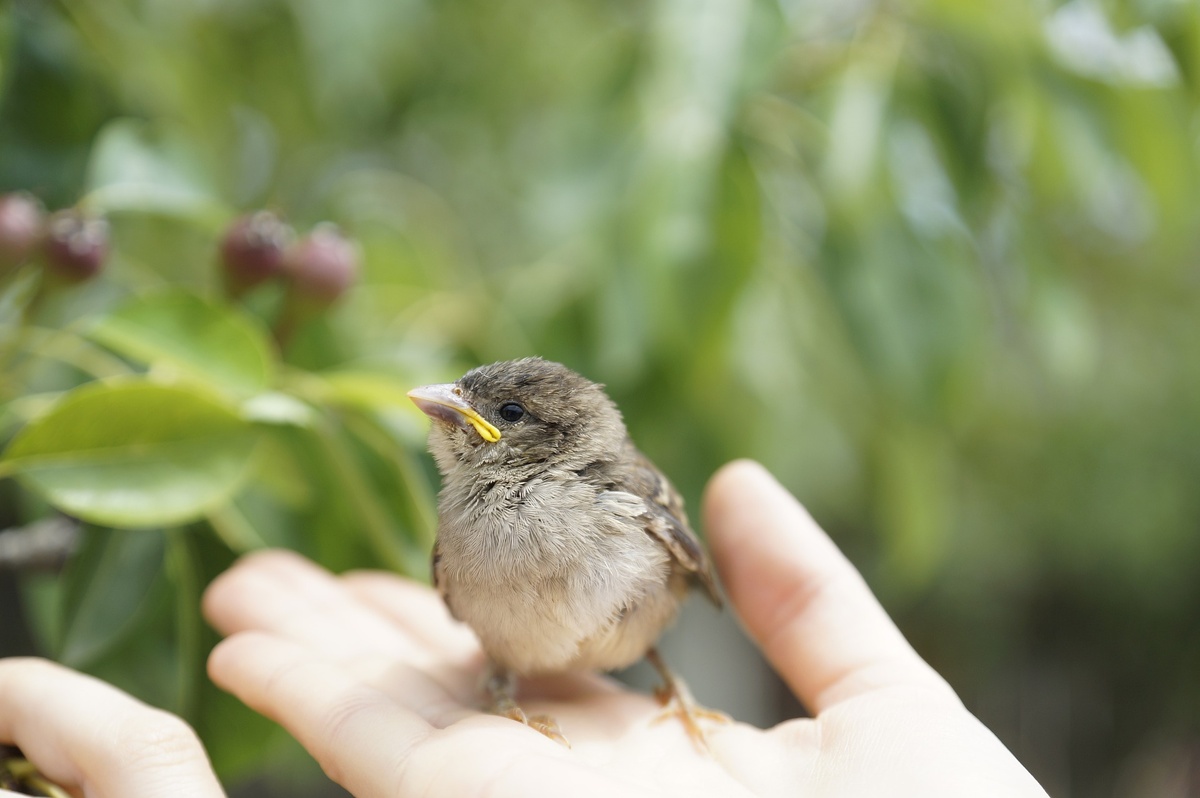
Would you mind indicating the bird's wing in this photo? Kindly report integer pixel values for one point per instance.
(664, 518)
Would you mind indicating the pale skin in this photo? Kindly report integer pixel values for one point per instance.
(371, 675)
(96, 741)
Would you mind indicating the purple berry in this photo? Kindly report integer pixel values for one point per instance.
(76, 245)
(21, 219)
(322, 265)
(252, 250)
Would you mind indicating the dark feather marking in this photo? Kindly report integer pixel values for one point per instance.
(439, 583)
(666, 519)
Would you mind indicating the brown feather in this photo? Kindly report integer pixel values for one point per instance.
(666, 520)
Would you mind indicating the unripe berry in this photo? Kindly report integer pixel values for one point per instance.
(322, 265)
(252, 250)
(21, 219)
(76, 245)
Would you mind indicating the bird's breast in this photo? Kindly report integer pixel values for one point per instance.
(495, 531)
(538, 568)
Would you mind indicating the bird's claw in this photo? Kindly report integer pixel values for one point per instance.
(545, 724)
(680, 704)
(677, 702)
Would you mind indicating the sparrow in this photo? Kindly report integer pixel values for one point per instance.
(559, 543)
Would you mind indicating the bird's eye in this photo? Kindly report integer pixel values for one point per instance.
(511, 412)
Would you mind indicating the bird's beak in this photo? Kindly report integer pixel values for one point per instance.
(445, 403)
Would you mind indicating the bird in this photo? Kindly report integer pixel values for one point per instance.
(559, 543)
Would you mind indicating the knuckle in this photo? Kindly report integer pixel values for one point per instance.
(152, 739)
(344, 710)
(338, 724)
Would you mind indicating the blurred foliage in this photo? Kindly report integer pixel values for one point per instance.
(935, 263)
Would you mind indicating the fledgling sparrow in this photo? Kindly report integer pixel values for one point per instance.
(558, 542)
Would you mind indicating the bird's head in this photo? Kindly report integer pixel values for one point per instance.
(520, 414)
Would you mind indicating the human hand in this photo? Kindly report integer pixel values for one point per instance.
(95, 741)
(381, 686)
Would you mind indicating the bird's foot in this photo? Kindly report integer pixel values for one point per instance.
(545, 724)
(501, 686)
(677, 702)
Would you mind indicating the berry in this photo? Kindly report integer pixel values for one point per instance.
(76, 245)
(322, 265)
(252, 250)
(21, 219)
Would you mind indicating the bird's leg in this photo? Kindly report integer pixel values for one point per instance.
(500, 684)
(677, 701)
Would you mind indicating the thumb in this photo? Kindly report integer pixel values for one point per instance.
(799, 597)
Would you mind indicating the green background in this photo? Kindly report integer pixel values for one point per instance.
(936, 263)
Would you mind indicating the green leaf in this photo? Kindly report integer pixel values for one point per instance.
(182, 332)
(278, 408)
(107, 585)
(145, 660)
(15, 296)
(138, 167)
(134, 454)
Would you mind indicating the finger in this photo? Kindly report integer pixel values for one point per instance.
(348, 727)
(83, 733)
(415, 608)
(801, 599)
(285, 594)
(362, 729)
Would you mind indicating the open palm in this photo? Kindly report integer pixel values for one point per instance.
(370, 673)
